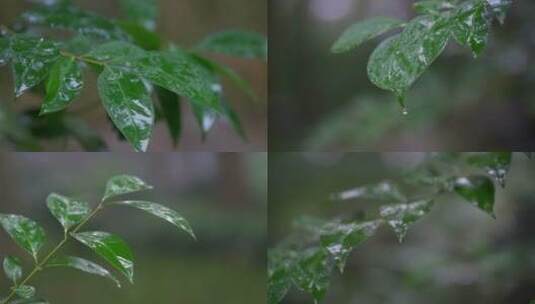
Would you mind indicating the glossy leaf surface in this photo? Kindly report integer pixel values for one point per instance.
(25, 291)
(12, 268)
(496, 164)
(83, 265)
(69, 212)
(124, 184)
(478, 191)
(401, 216)
(384, 191)
(116, 52)
(110, 247)
(170, 106)
(128, 103)
(63, 86)
(25, 232)
(242, 44)
(311, 272)
(162, 212)
(360, 32)
(471, 27)
(280, 264)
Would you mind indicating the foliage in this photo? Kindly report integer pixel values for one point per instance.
(73, 215)
(401, 59)
(132, 62)
(308, 256)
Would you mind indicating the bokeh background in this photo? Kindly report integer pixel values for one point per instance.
(455, 254)
(325, 102)
(185, 22)
(223, 196)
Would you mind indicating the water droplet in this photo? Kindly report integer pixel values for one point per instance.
(404, 111)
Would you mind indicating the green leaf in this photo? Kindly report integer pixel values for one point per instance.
(5, 53)
(206, 118)
(32, 59)
(69, 212)
(471, 27)
(25, 232)
(242, 44)
(432, 6)
(63, 86)
(400, 60)
(83, 265)
(110, 247)
(72, 18)
(362, 31)
(124, 184)
(280, 263)
(400, 216)
(312, 271)
(140, 35)
(496, 164)
(339, 239)
(384, 191)
(170, 105)
(116, 52)
(478, 191)
(25, 291)
(143, 12)
(13, 268)
(162, 212)
(128, 103)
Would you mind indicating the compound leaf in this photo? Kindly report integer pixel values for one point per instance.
(235, 43)
(477, 190)
(69, 212)
(63, 86)
(25, 232)
(400, 216)
(13, 268)
(83, 265)
(362, 31)
(124, 184)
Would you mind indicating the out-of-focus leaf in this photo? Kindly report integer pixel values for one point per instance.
(29, 301)
(13, 268)
(124, 184)
(162, 212)
(206, 118)
(143, 12)
(471, 27)
(339, 239)
(63, 86)
(280, 263)
(400, 216)
(242, 44)
(384, 191)
(363, 31)
(232, 117)
(432, 6)
(529, 154)
(84, 135)
(80, 44)
(25, 291)
(32, 59)
(128, 103)
(5, 52)
(478, 191)
(25, 232)
(110, 247)
(496, 164)
(170, 105)
(312, 271)
(499, 8)
(83, 265)
(69, 212)
(141, 35)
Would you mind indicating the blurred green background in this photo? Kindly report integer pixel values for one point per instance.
(184, 22)
(325, 102)
(455, 254)
(223, 196)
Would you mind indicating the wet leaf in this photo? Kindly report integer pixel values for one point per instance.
(162, 212)
(312, 271)
(83, 265)
(116, 52)
(206, 118)
(124, 184)
(25, 232)
(128, 103)
(400, 60)
(144, 12)
(339, 239)
(235, 43)
(471, 27)
(63, 86)
(69, 212)
(170, 105)
(384, 191)
(32, 59)
(363, 31)
(401, 216)
(496, 164)
(110, 247)
(478, 191)
(13, 268)
(279, 283)
(25, 291)
(432, 6)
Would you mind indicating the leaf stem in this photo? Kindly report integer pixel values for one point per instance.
(45, 260)
(81, 58)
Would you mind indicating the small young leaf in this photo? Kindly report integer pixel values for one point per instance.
(124, 184)
(478, 191)
(128, 103)
(163, 212)
(13, 268)
(384, 191)
(471, 27)
(25, 232)
(340, 239)
(143, 12)
(170, 105)
(67, 211)
(242, 44)
(63, 86)
(400, 216)
(362, 31)
(32, 59)
(83, 265)
(312, 271)
(110, 247)
(496, 164)
(25, 291)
